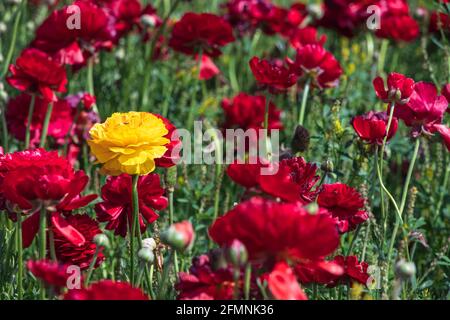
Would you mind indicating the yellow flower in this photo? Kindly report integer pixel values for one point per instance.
(129, 143)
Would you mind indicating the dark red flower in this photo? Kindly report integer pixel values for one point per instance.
(272, 75)
(283, 284)
(372, 126)
(277, 231)
(205, 281)
(345, 205)
(73, 45)
(320, 271)
(246, 174)
(319, 65)
(247, 15)
(208, 69)
(446, 93)
(353, 271)
(107, 290)
(399, 88)
(116, 208)
(35, 72)
(284, 21)
(245, 111)
(305, 36)
(17, 118)
(398, 28)
(439, 20)
(82, 252)
(204, 32)
(53, 274)
(172, 155)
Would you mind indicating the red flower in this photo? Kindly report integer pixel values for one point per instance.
(314, 62)
(292, 180)
(272, 75)
(204, 32)
(127, 14)
(80, 253)
(116, 208)
(283, 284)
(398, 28)
(35, 178)
(52, 273)
(247, 112)
(305, 36)
(245, 174)
(320, 271)
(179, 235)
(17, 118)
(36, 72)
(371, 127)
(446, 93)
(271, 230)
(344, 204)
(208, 69)
(205, 282)
(439, 19)
(284, 21)
(172, 155)
(74, 45)
(353, 271)
(399, 88)
(107, 290)
(247, 15)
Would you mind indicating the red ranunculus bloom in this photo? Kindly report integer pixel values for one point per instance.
(116, 208)
(353, 271)
(318, 271)
(204, 32)
(284, 21)
(208, 69)
(283, 284)
(245, 111)
(319, 65)
(127, 14)
(274, 231)
(172, 155)
(107, 290)
(372, 126)
(446, 93)
(247, 15)
(398, 28)
(305, 36)
(293, 180)
(73, 45)
(82, 252)
(36, 72)
(246, 174)
(205, 281)
(399, 88)
(439, 19)
(17, 118)
(345, 205)
(272, 75)
(54, 274)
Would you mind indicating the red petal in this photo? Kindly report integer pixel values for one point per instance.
(66, 230)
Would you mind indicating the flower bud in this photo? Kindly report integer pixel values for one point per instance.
(300, 140)
(237, 254)
(405, 270)
(101, 240)
(315, 10)
(3, 27)
(312, 208)
(146, 255)
(149, 243)
(170, 178)
(179, 236)
(148, 21)
(327, 166)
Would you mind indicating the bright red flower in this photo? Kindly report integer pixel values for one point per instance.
(314, 62)
(446, 93)
(36, 72)
(81, 253)
(305, 36)
(205, 281)
(353, 271)
(372, 126)
(284, 21)
(399, 88)
(74, 45)
(245, 174)
(54, 274)
(245, 111)
(208, 69)
(439, 19)
(318, 271)
(247, 15)
(17, 118)
(204, 32)
(283, 284)
(398, 28)
(116, 208)
(172, 155)
(277, 231)
(272, 75)
(345, 205)
(107, 290)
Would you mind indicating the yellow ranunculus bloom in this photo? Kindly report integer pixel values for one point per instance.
(129, 143)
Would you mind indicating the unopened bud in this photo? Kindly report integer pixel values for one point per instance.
(237, 254)
(312, 208)
(179, 236)
(149, 243)
(300, 140)
(327, 166)
(146, 255)
(404, 269)
(315, 10)
(3, 27)
(101, 240)
(148, 20)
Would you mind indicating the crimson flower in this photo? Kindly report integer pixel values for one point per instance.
(319, 65)
(116, 207)
(245, 111)
(247, 15)
(206, 281)
(78, 253)
(204, 32)
(53, 273)
(172, 155)
(353, 271)
(399, 88)
(36, 72)
(372, 126)
(398, 28)
(446, 93)
(344, 203)
(305, 36)
(283, 283)
(272, 75)
(107, 290)
(320, 271)
(208, 69)
(274, 231)
(439, 20)
(284, 21)
(246, 174)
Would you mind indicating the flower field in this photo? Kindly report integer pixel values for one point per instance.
(224, 149)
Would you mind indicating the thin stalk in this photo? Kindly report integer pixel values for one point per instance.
(352, 243)
(171, 213)
(383, 146)
(48, 116)
(90, 81)
(134, 225)
(247, 280)
(91, 266)
(51, 238)
(42, 243)
(301, 114)
(19, 257)
(165, 276)
(29, 120)
(382, 56)
(5, 138)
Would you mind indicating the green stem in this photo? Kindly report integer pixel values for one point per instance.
(51, 238)
(5, 138)
(29, 120)
(165, 276)
(352, 243)
(42, 242)
(48, 116)
(19, 257)
(134, 223)
(383, 146)
(382, 56)
(248, 276)
(301, 114)
(90, 82)
(91, 266)
(171, 213)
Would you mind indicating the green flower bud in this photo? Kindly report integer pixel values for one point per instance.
(237, 254)
(146, 255)
(101, 240)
